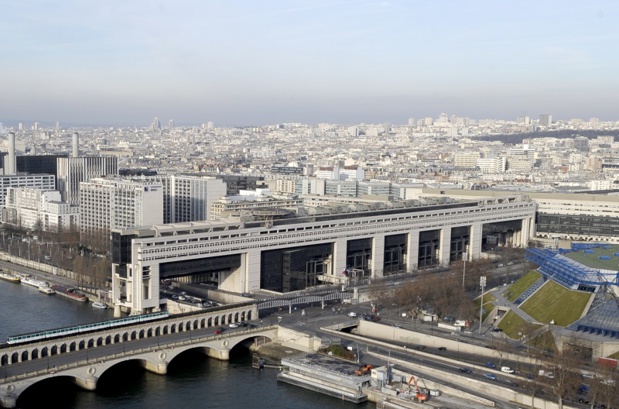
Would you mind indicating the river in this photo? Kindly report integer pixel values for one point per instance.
(193, 380)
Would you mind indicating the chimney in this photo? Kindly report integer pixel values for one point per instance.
(76, 145)
(12, 164)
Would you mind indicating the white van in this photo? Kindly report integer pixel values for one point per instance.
(507, 369)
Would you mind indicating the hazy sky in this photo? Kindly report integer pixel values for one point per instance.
(264, 62)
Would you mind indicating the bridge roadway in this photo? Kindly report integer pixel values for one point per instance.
(85, 357)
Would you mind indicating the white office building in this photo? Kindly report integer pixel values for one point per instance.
(40, 181)
(187, 198)
(108, 203)
(72, 171)
(38, 209)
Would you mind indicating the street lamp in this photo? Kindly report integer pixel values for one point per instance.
(482, 284)
(465, 255)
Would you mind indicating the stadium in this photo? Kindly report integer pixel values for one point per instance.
(585, 267)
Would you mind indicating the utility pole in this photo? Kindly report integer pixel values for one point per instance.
(464, 257)
(482, 284)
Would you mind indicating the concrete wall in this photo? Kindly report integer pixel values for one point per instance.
(394, 334)
(298, 340)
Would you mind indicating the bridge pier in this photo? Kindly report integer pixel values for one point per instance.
(160, 368)
(89, 383)
(221, 354)
(8, 400)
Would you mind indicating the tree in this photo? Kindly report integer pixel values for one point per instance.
(565, 378)
(605, 382)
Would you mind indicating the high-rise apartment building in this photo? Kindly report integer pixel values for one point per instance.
(43, 182)
(545, 120)
(35, 209)
(188, 198)
(73, 171)
(107, 203)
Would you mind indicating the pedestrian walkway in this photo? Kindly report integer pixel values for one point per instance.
(504, 302)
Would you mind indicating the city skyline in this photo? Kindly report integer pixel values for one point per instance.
(247, 63)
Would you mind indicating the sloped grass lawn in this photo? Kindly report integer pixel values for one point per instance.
(515, 290)
(487, 305)
(555, 302)
(512, 324)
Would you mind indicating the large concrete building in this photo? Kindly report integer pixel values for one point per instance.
(35, 209)
(108, 203)
(72, 171)
(294, 254)
(188, 198)
(569, 216)
(43, 182)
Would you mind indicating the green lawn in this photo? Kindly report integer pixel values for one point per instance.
(515, 290)
(512, 325)
(555, 302)
(487, 305)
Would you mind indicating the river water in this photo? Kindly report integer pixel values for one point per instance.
(193, 380)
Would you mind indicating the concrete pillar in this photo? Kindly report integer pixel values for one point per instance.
(117, 313)
(340, 251)
(89, 383)
(474, 250)
(159, 365)
(445, 246)
(8, 400)
(252, 270)
(378, 255)
(531, 228)
(412, 250)
(524, 232)
(221, 354)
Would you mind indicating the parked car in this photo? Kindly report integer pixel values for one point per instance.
(466, 370)
(490, 376)
(233, 325)
(375, 318)
(490, 365)
(352, 314)
(442, 349)
(497, 330)
(219, 330)
(507, 369)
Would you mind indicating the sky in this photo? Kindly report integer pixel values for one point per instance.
(250, 62)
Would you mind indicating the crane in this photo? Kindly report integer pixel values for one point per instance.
(420, 396)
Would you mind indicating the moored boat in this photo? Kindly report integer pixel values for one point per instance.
(31, 280)
(9, 277)
(98, 304)
(70, 293)
(46, 289)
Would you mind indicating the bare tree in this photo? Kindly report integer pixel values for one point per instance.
(565, 376)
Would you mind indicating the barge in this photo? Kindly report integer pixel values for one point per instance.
(70, 293)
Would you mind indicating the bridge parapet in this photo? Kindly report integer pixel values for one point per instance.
(18, 353)
(154, 359)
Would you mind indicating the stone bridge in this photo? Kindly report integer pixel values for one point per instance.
(85, 372)
(85, 355)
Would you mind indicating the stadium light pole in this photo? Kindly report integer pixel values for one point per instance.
(464, 257)
(482, 284)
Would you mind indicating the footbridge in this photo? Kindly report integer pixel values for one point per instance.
(85, 357)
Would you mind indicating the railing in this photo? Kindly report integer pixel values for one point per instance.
(82, 363)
